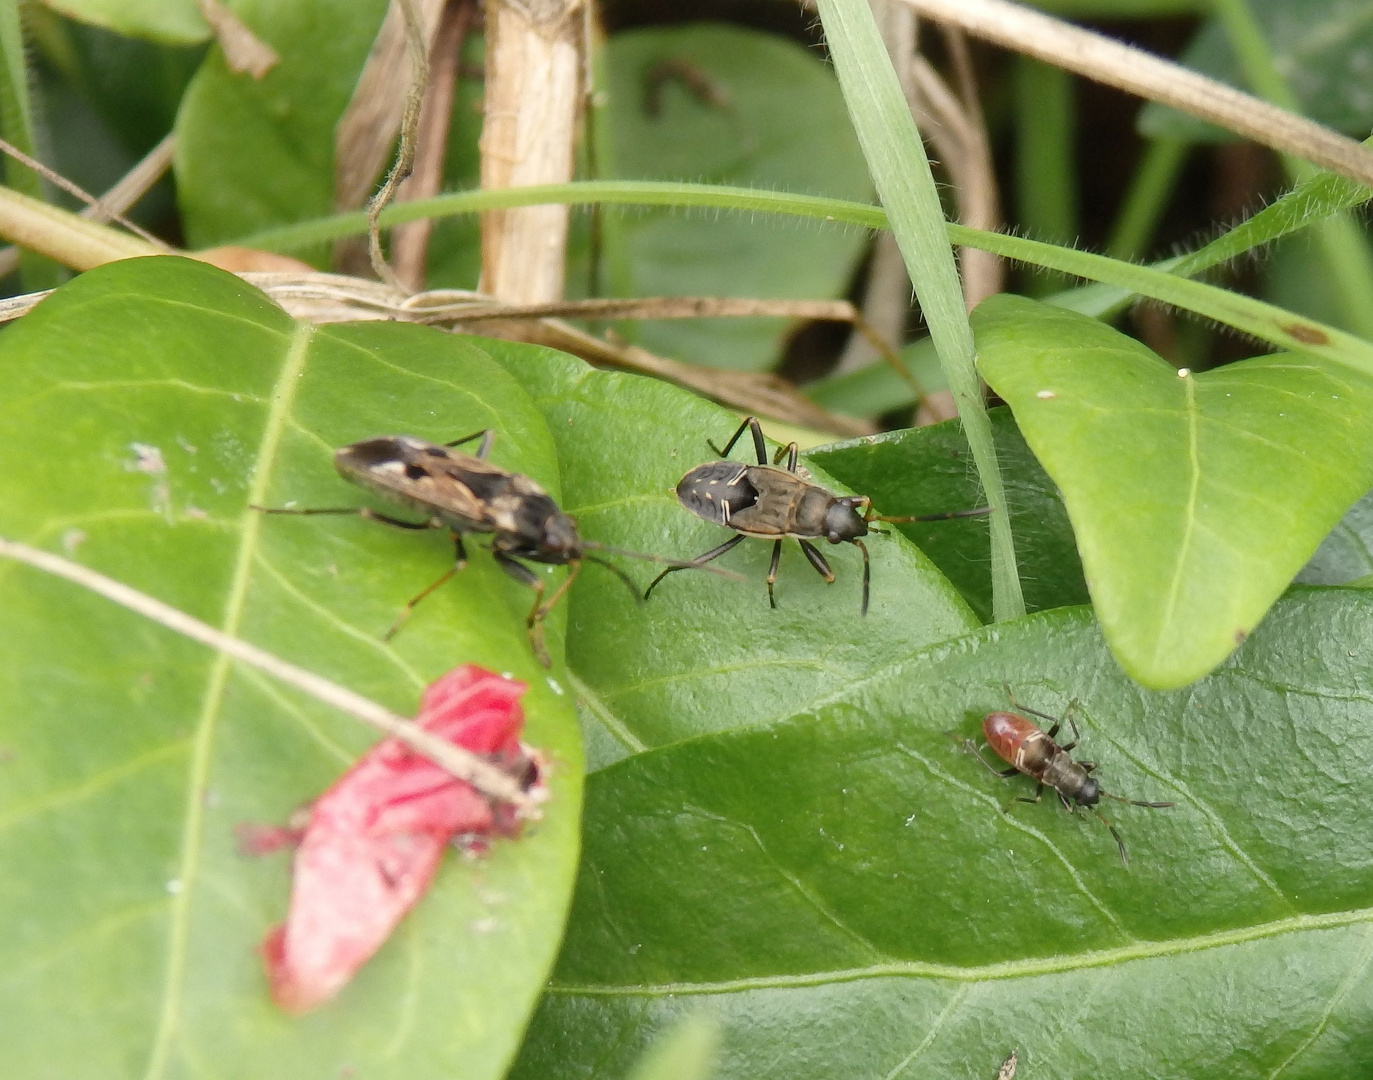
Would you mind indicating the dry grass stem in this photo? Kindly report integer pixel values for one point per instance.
(1110, 62)
(131, 187)
(103, 210)
(244, 51)
(410, 242)
(417, 49)
(367, 130)
(534, 93)
(463, 764)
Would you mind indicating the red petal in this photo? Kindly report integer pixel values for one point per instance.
(374, 839)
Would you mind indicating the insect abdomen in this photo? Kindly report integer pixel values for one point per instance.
(1011, 736)
(716, 491)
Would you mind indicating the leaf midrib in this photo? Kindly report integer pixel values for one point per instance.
(283, 394)
(1014, 969)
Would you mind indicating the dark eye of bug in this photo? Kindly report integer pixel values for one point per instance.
(415, 472)
(436, 451)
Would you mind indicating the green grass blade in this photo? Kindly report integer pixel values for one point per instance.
(17, 126)
(1284, 329)
(896, 158)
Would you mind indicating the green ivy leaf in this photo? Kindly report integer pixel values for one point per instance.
(1321, 48)
(254, 153)
(173, 22)
(705, 654)
(929, 470)
(1195, 498)
(733, 106)
(845, 891)
(147, 403)
(1346, 554)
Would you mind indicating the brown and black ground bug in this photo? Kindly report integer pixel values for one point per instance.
(1029, 750)
(776, 504)
(468, 494)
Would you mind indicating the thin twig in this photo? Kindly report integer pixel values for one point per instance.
(463, 764)
(131, 187)
(58, 180)
(410, 242)
(1134, 71)
(418, 50)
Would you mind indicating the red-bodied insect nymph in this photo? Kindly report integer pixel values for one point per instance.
(1028, 749)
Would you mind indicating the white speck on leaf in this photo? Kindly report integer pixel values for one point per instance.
(73, 539)
(1046, 395)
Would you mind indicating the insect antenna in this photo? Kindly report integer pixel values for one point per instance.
(1137, 802)
(867, 571)
(1124, 858)
(676, 564)
(618, 573)
(980, 511)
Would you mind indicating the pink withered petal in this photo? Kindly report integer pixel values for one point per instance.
(374, 840)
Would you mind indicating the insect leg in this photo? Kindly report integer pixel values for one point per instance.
(867, 573)
(410, 606)
(487, 436)
(791, 452)
(971, 747)
(534, 621)
(364, 512)
(1025, 708)
(700, 560)
(1039, 794)
(1120, 844)
(772, 571)
(540, 611)
(817, 560)
(759, 447)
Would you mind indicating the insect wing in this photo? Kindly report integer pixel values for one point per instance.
(420, 475)
(774, 513)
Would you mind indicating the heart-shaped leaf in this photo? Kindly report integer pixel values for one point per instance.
(706, 654)
(1195, 498)
(855, 895)
(145, 405)
(929, 470)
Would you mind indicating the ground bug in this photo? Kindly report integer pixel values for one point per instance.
(468, 494)
(1032, 751)
(779, 504)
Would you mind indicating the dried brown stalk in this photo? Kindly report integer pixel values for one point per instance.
(367, 130)
(1115, 64)
(534, 91)
(336, 298)
(95, 205)
(244, 51)
(417, 51)
(119, 199)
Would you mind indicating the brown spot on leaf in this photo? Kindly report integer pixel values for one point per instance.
(1240, 635)
(1307, 335)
